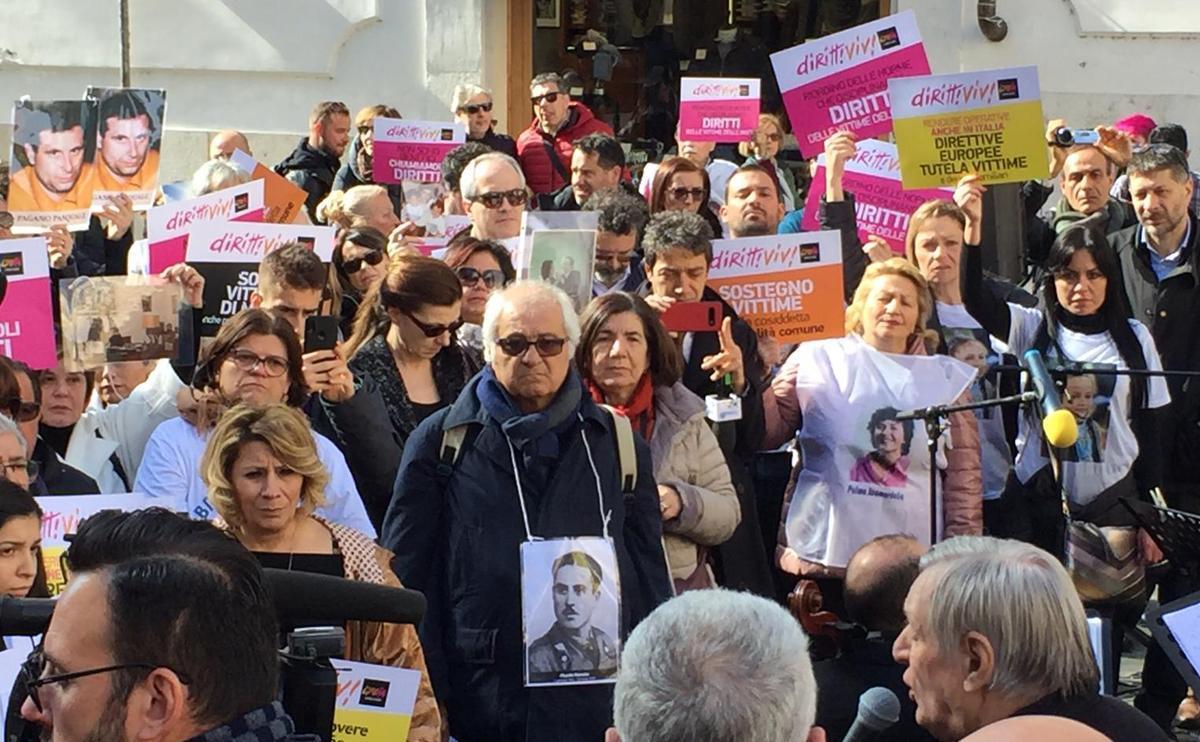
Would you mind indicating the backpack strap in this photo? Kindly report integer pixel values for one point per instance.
(626, 452)
(451, 449)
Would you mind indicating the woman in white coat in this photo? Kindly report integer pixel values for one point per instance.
(630, 363)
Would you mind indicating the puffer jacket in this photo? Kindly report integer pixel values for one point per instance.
(962, 480)
(687, 456)
(534, 147)
(394, 645)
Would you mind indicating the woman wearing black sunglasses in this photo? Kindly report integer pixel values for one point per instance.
(482, 266)
(404, 340)
(360, 261)
(682, 185)
(472, 107)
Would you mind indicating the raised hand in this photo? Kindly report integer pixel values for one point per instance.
(728, 360)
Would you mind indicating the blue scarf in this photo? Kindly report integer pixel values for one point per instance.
(537, 433)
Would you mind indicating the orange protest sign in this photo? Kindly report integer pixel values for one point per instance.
(282, 197)
(786, 286)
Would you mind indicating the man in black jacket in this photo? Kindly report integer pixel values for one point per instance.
(1159, 269)
(315, 161)
(678, 253)
(597, 164)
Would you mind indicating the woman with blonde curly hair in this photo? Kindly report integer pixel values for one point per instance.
(264, 475)
(841, 396)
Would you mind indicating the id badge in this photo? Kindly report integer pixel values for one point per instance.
(571, 611)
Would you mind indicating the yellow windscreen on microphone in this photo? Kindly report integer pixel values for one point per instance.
(1060, 429)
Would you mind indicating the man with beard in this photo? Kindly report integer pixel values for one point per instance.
(315, 161)
(573, 645)
(618, 264)
(128, 161)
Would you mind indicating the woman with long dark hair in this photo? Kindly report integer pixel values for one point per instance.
(1083, 322)
(682, 185)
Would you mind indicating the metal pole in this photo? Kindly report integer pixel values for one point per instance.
(124, 5)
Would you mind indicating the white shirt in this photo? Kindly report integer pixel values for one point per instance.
(1118, 447)
(171, 466)
(994, 453)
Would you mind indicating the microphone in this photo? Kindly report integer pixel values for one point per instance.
(308, 597)
(1058, 424)
(25, 616)
(878, 709)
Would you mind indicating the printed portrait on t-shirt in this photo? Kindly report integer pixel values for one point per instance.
(889, 441)
(1087, 396)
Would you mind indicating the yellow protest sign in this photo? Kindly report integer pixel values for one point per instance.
(986, 123)
(374, 702)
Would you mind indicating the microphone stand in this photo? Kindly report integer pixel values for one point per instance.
(934, 427)
(1076, 369)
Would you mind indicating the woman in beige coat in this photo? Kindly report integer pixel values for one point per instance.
(630, 363)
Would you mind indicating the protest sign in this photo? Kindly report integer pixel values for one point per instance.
(450, 226)
(374, 703)
(718, 109)
(130, 123)
(840, 81)
(52, 166)
(787, 286)
(563, 258)
(881, 205)
(106, 319)
(282, 198)
(167, 226)
(26, 317)
(988, 123)
(61, 516)
(227, 254)
(405, 149)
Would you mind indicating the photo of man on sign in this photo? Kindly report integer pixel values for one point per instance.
(52, 156)
(128, 139)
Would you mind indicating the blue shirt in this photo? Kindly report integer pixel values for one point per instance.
(791, 222)
(1161, 266)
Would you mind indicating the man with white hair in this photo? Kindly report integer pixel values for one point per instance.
(494, 194)
(716, 665)
(523, 455)
(995, 629)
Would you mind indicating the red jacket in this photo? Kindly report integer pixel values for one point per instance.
(540, 173)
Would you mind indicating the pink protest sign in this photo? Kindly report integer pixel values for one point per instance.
(26, 319)
(839, 82)
(168, 226)
(881, 204)
(718, 109)
(413, 150)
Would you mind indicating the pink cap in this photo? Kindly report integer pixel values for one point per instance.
(1136, 125)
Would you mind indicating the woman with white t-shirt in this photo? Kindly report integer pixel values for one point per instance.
(1083, 321)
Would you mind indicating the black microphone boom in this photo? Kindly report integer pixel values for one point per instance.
(308, 597)
(25, 616)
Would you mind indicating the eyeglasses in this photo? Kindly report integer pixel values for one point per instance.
(36, 665)
(772, 137)
(22, 412)
(9, 469)
(354, 265)
(685, 194)
(469, 276)
(620, 258)
(545, 97)
(365, 130)
(516, 345)
(474, 108)
(432, 331)
(248, 361)
(493, 199)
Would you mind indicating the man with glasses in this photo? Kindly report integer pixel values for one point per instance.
(544, 149)
(472, 107)
(618, 241)
(494, 194)
(15, 465)
(530, 442)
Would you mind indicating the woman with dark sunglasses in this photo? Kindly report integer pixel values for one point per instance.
(360, 261)
(482, 266)
(404, 341)
(682, 185)
(472, 107)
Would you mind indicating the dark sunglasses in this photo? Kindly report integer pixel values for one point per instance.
(469, 276)
(474, 108)
(683, 194)
(433, 331)
(773, 137)
(22, 412)
(546, 97)
(516, 345)
(354, 265)
(493, 199)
